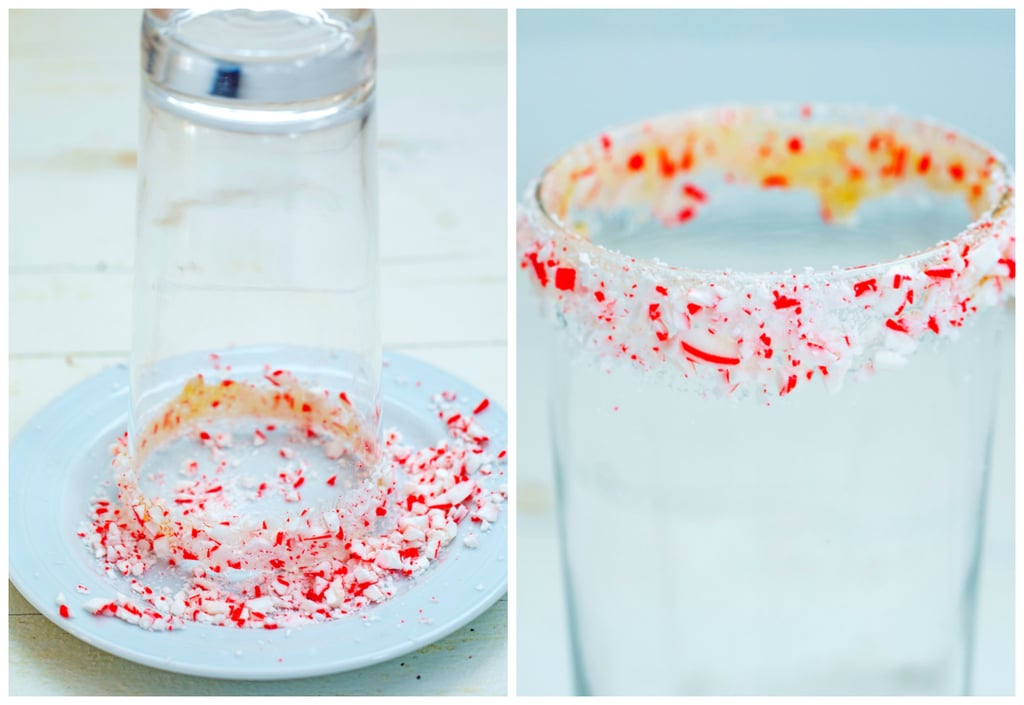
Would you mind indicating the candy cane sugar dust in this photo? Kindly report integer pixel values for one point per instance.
(255, 486)
(248, 515)
(773, 396)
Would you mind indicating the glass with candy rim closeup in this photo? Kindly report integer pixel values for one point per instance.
(717, 423)
(595, 288)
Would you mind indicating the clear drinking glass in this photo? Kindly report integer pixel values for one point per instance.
(773, 397)
(255, 366)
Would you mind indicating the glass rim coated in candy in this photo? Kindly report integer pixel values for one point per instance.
(765, 333)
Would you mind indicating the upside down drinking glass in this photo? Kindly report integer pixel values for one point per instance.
(255, 371)
(773, 396)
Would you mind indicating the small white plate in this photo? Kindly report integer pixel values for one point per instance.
(62, 458)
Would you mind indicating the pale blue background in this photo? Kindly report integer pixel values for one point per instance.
(580, 72)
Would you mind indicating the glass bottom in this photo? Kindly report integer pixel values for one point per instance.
(827, 544)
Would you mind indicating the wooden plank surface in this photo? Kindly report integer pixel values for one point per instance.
(442, 129)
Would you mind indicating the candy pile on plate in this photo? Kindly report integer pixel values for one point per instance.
(280, 577)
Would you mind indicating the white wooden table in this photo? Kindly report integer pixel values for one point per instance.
(73, 114)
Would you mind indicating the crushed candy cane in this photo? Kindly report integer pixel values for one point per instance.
(62, 606)
(284, 574)
(741, 334)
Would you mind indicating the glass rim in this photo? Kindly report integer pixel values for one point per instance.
(229, 398)
(1000, 193)
(767, 332)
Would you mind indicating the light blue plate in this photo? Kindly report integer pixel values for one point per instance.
(62, 460)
